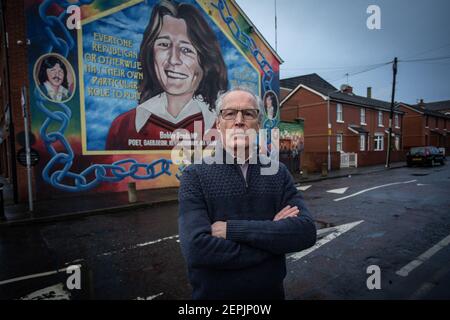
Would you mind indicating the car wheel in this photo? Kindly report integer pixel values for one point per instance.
(409, 164)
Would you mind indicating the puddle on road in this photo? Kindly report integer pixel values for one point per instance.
(372, 260)
(375, 235)
(419, 174)
(323, 224)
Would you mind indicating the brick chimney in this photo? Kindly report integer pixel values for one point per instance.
(345, 88)
(421, 104)
(369, 92)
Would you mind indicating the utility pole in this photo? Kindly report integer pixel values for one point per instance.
(391, 115)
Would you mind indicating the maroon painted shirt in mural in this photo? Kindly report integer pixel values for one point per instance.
(149, 126)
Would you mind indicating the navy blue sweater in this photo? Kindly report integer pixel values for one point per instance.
(250, 263)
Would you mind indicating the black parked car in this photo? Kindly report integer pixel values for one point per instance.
(425, 155)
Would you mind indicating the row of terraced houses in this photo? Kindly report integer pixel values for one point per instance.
(340, 125)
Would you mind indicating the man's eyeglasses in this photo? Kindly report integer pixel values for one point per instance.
(247, 114)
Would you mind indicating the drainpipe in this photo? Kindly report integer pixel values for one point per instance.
(329, 134)
(12, 134)
(329, 129)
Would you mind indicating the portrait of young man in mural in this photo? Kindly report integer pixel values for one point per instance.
(183, 72)
(53, 79)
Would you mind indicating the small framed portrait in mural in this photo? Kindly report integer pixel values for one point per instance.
(270, 104)
(183, 72)
(55, 78)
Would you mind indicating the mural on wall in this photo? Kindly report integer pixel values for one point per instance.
(292, 142)
(291, 137)
(106, 97)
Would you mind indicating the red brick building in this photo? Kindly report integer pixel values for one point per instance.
(13, 76)
(338, 122)
(439, 106)
(424, 126)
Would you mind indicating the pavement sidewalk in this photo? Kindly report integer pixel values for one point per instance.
(100, 203)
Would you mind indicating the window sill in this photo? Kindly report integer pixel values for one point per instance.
(380, 126)
(363, 124)
(340, 121)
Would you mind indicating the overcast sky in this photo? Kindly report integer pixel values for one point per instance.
(331, 38)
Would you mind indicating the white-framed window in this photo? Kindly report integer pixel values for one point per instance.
(339, 113)
(363, 116)
(339, 142)
(378, 142)
(397, 143)
(362, 142)
(380, 118)
(397, 124)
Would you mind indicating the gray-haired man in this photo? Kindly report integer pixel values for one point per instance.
(235, 224)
